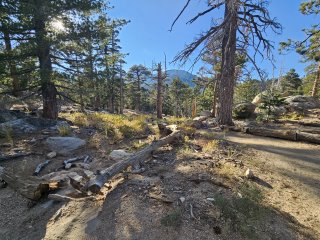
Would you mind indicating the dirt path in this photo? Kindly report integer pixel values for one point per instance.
(293, 170)
(130, 209)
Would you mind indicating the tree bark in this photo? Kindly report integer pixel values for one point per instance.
(49, 92)
(50, 103)
(316, 83)
(12, 67)
(227, 79)
(80, 83)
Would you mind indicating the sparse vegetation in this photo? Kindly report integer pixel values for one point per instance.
(292, 116)
(114, 126)
(172, 219)
(211, 146)
(7, 133)
(244, 211)
(64, 130)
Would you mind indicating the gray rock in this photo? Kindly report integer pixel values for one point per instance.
(280, 111)
(258, 99)
(300, 103)
(20, 123)
(64, 145)
(244, 110)
(18, 126)
(6, 115)
(119, 154)
(201, 118)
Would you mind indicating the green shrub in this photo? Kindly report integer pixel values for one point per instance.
(270, 100)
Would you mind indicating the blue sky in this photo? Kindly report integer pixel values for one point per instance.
(147, 38)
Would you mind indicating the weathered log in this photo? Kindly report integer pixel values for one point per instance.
(12, 156)
(270, 132)
(71, 160)
(87, 160)
(31, 187)
(301, 122)
(308, 137)
(63, 198)
(96, 184)
(40, 167)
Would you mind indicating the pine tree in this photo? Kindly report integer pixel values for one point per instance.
(48, 31)
(137, 76)
(291, 83)
(309, 48)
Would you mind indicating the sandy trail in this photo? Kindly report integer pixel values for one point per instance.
(293, 170)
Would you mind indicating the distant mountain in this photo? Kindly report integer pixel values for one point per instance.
(183, 75)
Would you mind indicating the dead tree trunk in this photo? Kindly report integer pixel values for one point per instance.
(96, 184)
(121, 91)
(227, 79)
(316, 83)
(159, 91)
(215, 93)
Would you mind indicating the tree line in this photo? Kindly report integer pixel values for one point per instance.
(71, 50)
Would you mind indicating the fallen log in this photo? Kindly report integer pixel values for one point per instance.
(12, 156)
(308, 137)
(96, 184)
(31, 187)
(270, 132)
(63, 198)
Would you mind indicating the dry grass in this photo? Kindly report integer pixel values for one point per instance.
(64, 130)
(292, 116)
(114, 126)
(175, 120)
(228, 171)
(139, 144)
(211, 146)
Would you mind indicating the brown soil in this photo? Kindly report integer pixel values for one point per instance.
(293, 170)
(148, 205)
